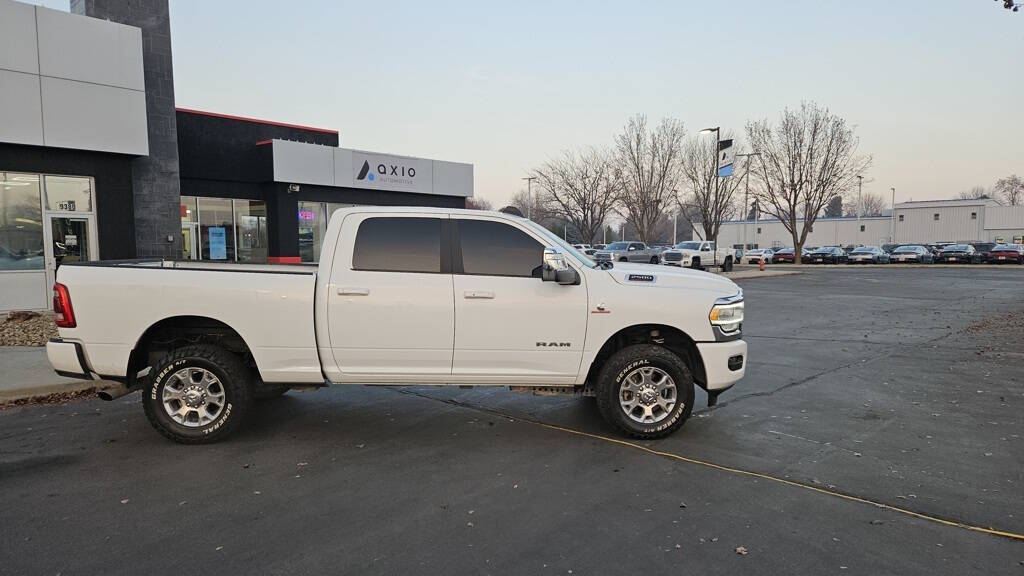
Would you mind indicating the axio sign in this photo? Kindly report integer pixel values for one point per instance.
(386, 172)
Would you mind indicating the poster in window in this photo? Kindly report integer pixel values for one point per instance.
(218, 244)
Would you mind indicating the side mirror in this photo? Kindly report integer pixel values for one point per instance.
(555, 268)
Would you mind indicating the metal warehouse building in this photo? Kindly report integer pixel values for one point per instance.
(911, 222)
(97, 162)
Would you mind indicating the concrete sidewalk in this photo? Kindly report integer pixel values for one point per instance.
(25, 373)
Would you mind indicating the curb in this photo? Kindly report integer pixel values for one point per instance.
(39, 393)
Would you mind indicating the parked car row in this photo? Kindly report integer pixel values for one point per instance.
(701, 253)
(961, 253)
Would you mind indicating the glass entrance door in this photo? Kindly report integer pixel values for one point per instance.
(190, 240)
(69, 239)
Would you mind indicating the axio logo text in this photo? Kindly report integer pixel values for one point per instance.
(396, 170)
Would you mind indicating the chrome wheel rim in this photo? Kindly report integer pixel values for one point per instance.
(648, 395)
(193, 397)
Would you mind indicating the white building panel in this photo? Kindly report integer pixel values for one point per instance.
(453, 178)
(89, 50)
(342, 167)
(302, 163)
(94, 117)
(825, 232)
(1004, 217)
(937, 223)
(18, 37)
(21, 114)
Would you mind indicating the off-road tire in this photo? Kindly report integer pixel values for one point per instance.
(695, 263)
(234, 379)
(621, 364)
(728, 264)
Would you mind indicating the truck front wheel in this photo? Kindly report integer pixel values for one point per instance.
(198, 394)
(645, 391)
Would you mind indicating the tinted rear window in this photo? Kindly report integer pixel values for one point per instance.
(497, 249)
(398, 245)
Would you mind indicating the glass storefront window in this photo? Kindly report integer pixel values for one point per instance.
(216, 229)
(311, 230)
(21, 222)
(188, 210)
(251, 223)
(68, 193)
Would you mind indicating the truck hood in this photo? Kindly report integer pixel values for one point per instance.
(647, 275)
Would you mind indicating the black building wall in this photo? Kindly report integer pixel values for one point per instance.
(155, 177)
(221, 156)
(112, 175)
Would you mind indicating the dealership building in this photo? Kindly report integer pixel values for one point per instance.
(923, 222)
(96, 161)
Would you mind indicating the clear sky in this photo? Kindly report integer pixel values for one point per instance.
(936, 89)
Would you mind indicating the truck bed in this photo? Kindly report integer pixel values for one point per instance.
(269, 306)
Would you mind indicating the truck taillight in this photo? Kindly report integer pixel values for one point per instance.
(63, 313)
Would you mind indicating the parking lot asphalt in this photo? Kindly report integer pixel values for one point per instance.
(899, 387)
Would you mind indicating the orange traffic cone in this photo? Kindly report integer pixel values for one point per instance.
(761, 262)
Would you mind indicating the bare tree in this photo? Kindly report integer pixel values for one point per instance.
(974, 193)
(579, 187)
(869, 205)
(713, 202)
(529, 204)
(807, 159)
(478, 204)
(647, 171)
(1010, 189)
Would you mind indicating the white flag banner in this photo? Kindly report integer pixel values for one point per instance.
(726, 154)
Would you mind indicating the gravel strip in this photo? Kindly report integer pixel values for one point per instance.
(27, 329)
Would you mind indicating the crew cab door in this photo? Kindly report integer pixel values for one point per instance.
(508, 322)
(637, 252)
(389, 306)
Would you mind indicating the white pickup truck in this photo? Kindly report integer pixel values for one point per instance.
(401, 296)
(698, 254)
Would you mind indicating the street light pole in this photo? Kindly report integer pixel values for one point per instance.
(892, 218)
(860, 183)
(529, 196)
(746, 196)
(718, 142)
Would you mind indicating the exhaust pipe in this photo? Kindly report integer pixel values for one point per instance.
(109, 390)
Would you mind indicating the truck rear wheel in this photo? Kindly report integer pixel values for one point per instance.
(645, 391)
(199, 394)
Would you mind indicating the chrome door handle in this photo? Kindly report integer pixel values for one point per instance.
(354, 291)
(478, 295)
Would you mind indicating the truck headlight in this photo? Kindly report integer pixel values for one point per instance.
(727, 313)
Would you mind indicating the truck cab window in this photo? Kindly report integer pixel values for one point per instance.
(497, 249)
(398, 245)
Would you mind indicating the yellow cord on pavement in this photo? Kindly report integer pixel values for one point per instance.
(953, 523)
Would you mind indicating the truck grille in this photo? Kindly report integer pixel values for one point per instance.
(672, 256)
